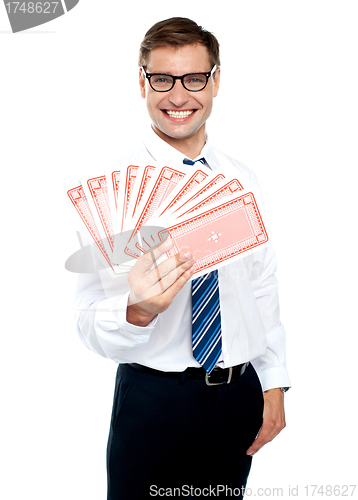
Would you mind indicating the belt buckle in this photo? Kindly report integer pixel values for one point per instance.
(207, 381)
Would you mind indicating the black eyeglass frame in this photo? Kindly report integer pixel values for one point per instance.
(181, 78)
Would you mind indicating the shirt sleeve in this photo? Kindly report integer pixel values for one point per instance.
(101, 311)
(270, 367)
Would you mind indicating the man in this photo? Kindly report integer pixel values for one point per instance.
(177, 422)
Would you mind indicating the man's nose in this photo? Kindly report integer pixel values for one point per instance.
(178, 95)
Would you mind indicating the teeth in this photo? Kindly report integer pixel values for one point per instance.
(179, 114)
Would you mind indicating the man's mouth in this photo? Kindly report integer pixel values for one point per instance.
(179, 114)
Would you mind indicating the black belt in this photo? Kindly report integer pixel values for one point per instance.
(218, 376)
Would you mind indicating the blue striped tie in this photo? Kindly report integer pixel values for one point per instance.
(186, 161)
(206, 319)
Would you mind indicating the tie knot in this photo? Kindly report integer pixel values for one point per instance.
(186, 161)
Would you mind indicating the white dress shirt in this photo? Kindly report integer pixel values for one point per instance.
(251, 328)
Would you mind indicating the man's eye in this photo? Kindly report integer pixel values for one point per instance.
(195, 79)
(161, 79)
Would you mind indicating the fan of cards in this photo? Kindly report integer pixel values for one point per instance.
(129, 210)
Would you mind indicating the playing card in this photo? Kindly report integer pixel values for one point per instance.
(80, 205)
(125, 190)
(186, 186)
(134, 182)
(225, 190)
(144, 179)
(214, 179)
(113, 176)
(95, 188)
(168, 178)
(219, 234)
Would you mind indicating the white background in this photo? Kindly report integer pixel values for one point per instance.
(287, 108)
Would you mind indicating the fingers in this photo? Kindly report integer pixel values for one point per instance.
(147, 260)
(152, 288)
(267, 433)
(273, 420)
(173, 275)
(143, 308)
(144, 303)
(166, 271)
(261, 439)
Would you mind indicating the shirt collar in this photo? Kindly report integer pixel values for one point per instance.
(165, 154)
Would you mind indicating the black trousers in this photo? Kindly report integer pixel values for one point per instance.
(171, 437)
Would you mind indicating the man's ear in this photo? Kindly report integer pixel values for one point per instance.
(142, 83)
(216, 82)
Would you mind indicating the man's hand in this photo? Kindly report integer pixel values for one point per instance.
(273, 420)
(153, 290)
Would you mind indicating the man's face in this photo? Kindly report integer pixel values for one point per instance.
(179, 114)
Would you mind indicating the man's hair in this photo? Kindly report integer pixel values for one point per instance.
(178, 32)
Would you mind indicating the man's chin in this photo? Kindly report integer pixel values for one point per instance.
(171, 135)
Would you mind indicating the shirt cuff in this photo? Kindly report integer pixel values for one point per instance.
(115, 335)
(271, 366)
(118, 305)
(273, 378)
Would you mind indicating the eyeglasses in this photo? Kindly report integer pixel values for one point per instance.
(194, 82)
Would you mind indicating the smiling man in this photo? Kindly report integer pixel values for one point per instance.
(181, 423)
